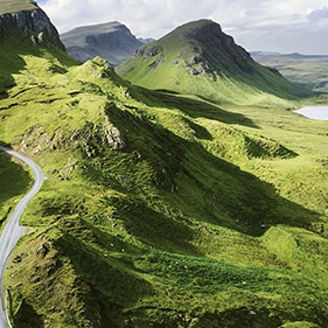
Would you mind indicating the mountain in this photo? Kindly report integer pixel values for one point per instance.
(308, 71)
(198, 58)
(158, 209)
(112, 41)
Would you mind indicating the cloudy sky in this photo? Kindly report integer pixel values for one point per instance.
(269, 25)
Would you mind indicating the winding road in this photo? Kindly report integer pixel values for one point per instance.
(13, 231)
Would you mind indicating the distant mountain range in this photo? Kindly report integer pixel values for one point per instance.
(275, 57)
(308, 71)
(112, 41)
(148, 40)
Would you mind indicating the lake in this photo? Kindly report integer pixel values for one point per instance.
(314, 112)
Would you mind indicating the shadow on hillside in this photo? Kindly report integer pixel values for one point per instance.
(155, 227)
(193, 107)
(14, 181)
(266, 79)
(27, 317)
(106, 284)
(203, 186)
(7, 71)
(12, 50)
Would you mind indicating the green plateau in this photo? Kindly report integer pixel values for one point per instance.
(176, 207)
(14, 6)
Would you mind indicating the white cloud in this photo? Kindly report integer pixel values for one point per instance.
(278, 25)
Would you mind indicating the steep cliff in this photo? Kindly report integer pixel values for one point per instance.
(29, 20)
(112, 41)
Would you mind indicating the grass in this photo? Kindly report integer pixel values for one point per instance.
(14, 6)
(16, 181)
(160, 210)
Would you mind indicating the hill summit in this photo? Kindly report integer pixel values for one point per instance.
(112, 41)
(199, 58)
(213, 50)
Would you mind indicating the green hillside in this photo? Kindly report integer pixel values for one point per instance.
(198, 58)
(160, 209)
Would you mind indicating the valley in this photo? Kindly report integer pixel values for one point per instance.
(307, 71)
(171, 198)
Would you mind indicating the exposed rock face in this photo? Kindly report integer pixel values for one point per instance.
(112, 41)
(92, 138)
(33, 24)
(148, 51)
(214, 46)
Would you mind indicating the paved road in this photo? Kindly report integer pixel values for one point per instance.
(13, 232)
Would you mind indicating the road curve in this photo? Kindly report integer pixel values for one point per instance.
(13, 231)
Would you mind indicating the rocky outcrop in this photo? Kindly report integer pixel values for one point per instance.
(33, 24)
(93, 138)
(150, 51)
(214, 45)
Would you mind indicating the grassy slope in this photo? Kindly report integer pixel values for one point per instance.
(16, 182)
(171, 69)
(192, 216)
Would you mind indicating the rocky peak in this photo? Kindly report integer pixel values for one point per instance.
(203, 47)
(31, 21)
(213, 46)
